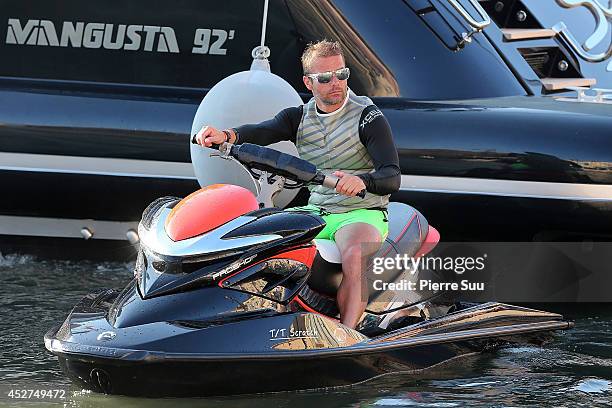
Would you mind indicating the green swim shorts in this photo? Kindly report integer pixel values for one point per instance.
(375, 217)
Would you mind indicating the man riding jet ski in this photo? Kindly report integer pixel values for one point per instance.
(344, 134)
(234, 296)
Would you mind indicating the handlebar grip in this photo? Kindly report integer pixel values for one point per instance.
(331, 181)
(212, 146)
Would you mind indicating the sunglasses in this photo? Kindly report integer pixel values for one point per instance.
(325, 77)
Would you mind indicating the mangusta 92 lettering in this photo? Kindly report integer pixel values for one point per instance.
(131, 37)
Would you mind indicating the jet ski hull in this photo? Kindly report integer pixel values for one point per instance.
(256, 355)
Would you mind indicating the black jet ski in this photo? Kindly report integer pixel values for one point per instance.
(233, 296)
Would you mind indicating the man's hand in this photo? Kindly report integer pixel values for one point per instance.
(208, 136)
(349, 185)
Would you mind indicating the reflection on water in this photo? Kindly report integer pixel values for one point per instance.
(576, 369)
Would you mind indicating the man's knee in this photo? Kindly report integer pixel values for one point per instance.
(351, 254)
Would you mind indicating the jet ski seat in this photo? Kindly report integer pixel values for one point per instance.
(408, 230)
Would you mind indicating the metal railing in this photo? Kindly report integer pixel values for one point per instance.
(477, 25)
(589, 95)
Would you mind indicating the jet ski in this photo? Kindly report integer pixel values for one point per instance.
(232, 295)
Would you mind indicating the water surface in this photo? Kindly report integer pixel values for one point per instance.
(574, 370)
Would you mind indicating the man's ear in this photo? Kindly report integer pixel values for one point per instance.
(307, 82)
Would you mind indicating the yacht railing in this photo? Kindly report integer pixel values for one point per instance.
(477, 25)
(589, 95)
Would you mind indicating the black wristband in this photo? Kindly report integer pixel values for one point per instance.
(227, 135)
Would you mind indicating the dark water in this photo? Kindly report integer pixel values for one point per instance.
(574, 370)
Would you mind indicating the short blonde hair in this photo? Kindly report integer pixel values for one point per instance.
(323, 48)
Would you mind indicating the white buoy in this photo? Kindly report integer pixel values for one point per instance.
(245, 97)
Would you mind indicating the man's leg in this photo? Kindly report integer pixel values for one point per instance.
(349, 239)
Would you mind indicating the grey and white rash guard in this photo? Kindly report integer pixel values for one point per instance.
(356, 139)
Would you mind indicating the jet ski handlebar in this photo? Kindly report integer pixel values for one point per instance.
(272, 161)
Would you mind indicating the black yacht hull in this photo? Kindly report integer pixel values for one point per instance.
(95, 123)
(500, 191)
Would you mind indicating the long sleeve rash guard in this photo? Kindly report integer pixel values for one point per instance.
(374, 133)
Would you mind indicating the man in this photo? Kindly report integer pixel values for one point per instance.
(343, 134)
